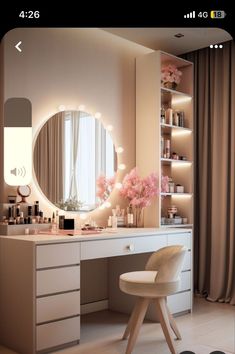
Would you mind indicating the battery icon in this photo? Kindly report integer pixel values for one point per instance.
(217, 14)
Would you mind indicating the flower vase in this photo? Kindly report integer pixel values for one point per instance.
(139, 217)
(170, 85)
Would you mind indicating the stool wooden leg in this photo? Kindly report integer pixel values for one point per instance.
(173, 324)
(136, 323)
(132, 318)
(165, 323)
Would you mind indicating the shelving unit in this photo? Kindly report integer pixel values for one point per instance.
(152, 133)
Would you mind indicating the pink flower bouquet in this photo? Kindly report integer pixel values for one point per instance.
(170, 73)
(104, 187)
(139, 191)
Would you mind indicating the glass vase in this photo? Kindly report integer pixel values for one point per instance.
(139, 217)
(170, 85)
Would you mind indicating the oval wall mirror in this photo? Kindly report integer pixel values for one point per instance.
(73, 153)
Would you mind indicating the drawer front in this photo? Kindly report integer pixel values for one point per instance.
(187, 261)
(59, 254)
(185, 283)
(52, 281)
(58, 306)
(180, 239)
(179, 302)
(121, 246)
(58, 333)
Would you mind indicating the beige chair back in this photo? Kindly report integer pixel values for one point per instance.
(168, 262)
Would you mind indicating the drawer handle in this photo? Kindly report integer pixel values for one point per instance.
(131, 247)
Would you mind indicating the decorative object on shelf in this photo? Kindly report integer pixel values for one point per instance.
(24, 192)
(104, 187)
(174, 156)
(70, 204)
(165, 184)
(139, 191)
(170, 76)
(172, 211)
(179, 188)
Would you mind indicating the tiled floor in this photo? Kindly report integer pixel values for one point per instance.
(211, 327)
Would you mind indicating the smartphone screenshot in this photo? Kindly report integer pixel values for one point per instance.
(117, 174)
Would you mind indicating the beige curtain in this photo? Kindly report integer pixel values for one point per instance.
(49, 158)
(215, 172)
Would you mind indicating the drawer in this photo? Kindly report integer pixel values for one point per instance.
(121, 246)
(57, 333)
(57, 280)
(185, 283)
(187, 261)
(58, 306)
(180, 239)
(57, 254)
(179, 302)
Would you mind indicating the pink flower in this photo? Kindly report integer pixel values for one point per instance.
(139, 191)
(170, 73)
(104, 187)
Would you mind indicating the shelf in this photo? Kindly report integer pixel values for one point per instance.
(169, 128)
(180, 162)
(175, 92)
(173, 194)
(176, 225)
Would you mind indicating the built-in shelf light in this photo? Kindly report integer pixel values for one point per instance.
(98, 115)
(109, 127)
(181, 164)
(182, 196)
(180, 99)
(62, 108)
(121, 166)
(119, 150)
(179, 132)
(81, 107)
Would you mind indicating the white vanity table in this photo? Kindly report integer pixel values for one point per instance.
(40, 282)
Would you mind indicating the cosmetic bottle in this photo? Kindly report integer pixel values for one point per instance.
(21, 217)
(9, 212)
(17, 210)
(30, 210)
(163, 116)
(41, 217)
(130, 216)
(36, 208)
(169, 115)
(109, 221)
(61, 222)
(168, 148)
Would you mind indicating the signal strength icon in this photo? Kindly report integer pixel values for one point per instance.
(190, 15)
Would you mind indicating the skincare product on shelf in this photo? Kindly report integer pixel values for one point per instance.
(21, 217)
(169, 116)
(168, 148)
(130, 216)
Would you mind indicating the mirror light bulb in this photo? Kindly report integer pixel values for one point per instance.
(121, 166)
(98, 115)
(107, 204)
(109, 127)
(81, 107)
(102, 207)
(118, 185)
(119, 150)
(62, 108)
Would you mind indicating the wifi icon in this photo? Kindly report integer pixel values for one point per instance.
(19, 171)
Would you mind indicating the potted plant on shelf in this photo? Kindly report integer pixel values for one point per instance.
(170, 76)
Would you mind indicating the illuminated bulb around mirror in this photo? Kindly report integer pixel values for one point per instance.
(121, 166)
(61, 108)
(118, 185)
(81, 107)
(109, 127)
(107, 204)
(102, 207)
(119, 150)
(97, 115)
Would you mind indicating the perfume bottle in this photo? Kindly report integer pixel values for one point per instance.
(130, 216)
(36, 208)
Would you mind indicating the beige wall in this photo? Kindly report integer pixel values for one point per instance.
(72, 67)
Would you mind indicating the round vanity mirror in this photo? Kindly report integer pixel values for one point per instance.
(75, 161)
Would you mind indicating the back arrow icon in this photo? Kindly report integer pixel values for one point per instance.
(17, 46)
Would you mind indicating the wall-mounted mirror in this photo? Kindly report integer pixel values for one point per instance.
(71, 152)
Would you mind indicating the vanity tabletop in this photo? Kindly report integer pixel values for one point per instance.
(104, 234)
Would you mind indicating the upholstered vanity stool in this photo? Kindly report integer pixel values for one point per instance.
(160, 278)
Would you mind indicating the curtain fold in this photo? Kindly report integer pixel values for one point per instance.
(49, 158)
(215, 172)
(75, 121)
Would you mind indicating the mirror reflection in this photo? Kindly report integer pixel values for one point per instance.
(72, 154)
